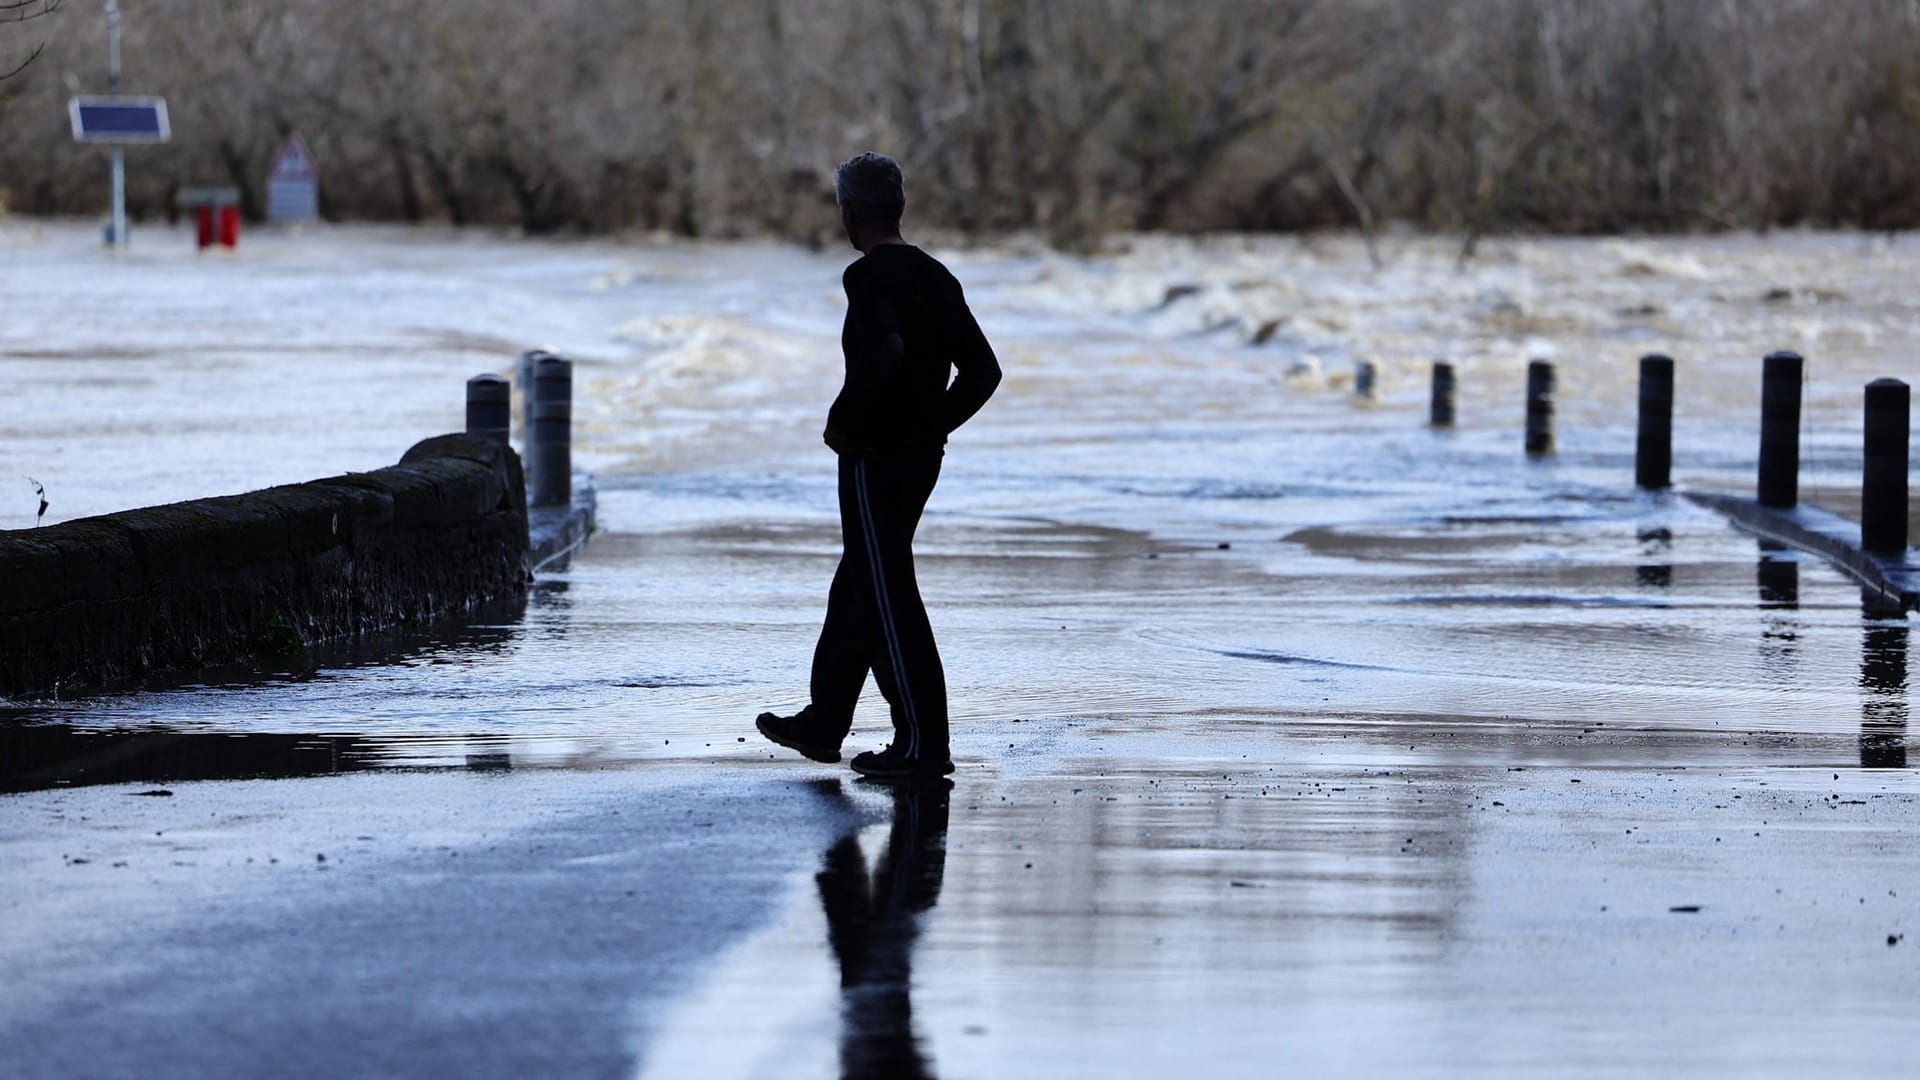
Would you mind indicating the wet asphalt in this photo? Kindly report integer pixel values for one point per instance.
(1293, 738)
(554, 848)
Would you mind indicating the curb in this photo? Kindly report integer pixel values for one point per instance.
(554, 533)
(1826, 534)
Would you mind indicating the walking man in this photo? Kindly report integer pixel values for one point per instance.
(907, 332)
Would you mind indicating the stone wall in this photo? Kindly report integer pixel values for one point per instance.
(110, 600)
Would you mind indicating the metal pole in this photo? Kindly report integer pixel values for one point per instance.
(1780, 429)
(552, 430)
(1653, 451)
(1444, 393)
(1883, 480)
(1540, 388)
(117, 230)
(489, 407)
(113, 46)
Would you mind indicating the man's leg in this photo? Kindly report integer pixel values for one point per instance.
(841, 657)
(847, 640)
(890, 492)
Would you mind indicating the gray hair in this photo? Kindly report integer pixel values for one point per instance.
(871, 189)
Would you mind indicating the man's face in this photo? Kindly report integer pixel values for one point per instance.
(846, 222)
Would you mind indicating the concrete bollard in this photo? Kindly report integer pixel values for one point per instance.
(1780, 429)
(1444, 392)
(1883, 480)
(489, 407)
(1540, 387)
(551, 434)
(1364, 377)
(1653, 450)
(523, 378)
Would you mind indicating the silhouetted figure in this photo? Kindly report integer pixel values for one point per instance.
(1883, 683)
(908, 331)
(41, 491)
(872, 923)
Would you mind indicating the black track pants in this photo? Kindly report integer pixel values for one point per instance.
(875, 619)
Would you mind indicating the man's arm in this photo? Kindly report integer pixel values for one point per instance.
(883, 364)
(977, 370)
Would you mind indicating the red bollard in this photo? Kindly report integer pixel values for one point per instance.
(229, 226)
(203, 226)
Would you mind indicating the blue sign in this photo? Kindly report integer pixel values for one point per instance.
(119, 119)
(293, 187)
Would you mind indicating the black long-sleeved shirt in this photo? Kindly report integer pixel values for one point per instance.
(896, 394)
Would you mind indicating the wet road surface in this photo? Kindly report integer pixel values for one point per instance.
(1180, 832)
(1292, 737)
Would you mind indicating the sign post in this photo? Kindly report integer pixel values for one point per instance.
(293, 187)
(117, 234)
(117, 121)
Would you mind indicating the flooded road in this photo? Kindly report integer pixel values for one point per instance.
(1292, 736)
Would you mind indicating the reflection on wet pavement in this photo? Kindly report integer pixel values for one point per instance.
(1883, 680)
(1166, 907)
(873, 921)
(34, 757)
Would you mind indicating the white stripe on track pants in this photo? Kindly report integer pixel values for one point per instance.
(875, 619)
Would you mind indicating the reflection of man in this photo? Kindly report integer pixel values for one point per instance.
(872, 923)
(908, 330)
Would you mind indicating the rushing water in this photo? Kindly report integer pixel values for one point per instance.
(1288, 730)
(1175, 510)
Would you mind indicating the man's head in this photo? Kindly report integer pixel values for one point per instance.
(872, 196)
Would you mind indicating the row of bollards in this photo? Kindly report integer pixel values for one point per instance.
(1780, 429)
(1883, 489)
(1653, 444)
(546, 392)
(1540, 390)
(1446, 391)
(1883, 475)
(1365, 380)
(489, 407)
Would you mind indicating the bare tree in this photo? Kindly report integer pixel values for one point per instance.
(1073, 118)
(19, 11)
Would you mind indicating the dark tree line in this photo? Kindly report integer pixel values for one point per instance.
(1071, 117)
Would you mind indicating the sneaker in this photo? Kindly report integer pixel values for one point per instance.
(890, 764)
(793, 733)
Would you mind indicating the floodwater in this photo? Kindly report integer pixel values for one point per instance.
(1188, 523)
(1292, 735)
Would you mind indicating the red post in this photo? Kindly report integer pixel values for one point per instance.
(203, 226)
(229, 226)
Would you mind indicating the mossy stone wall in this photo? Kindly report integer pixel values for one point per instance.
(110, 600)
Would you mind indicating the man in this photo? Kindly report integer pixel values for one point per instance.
(907, 331)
